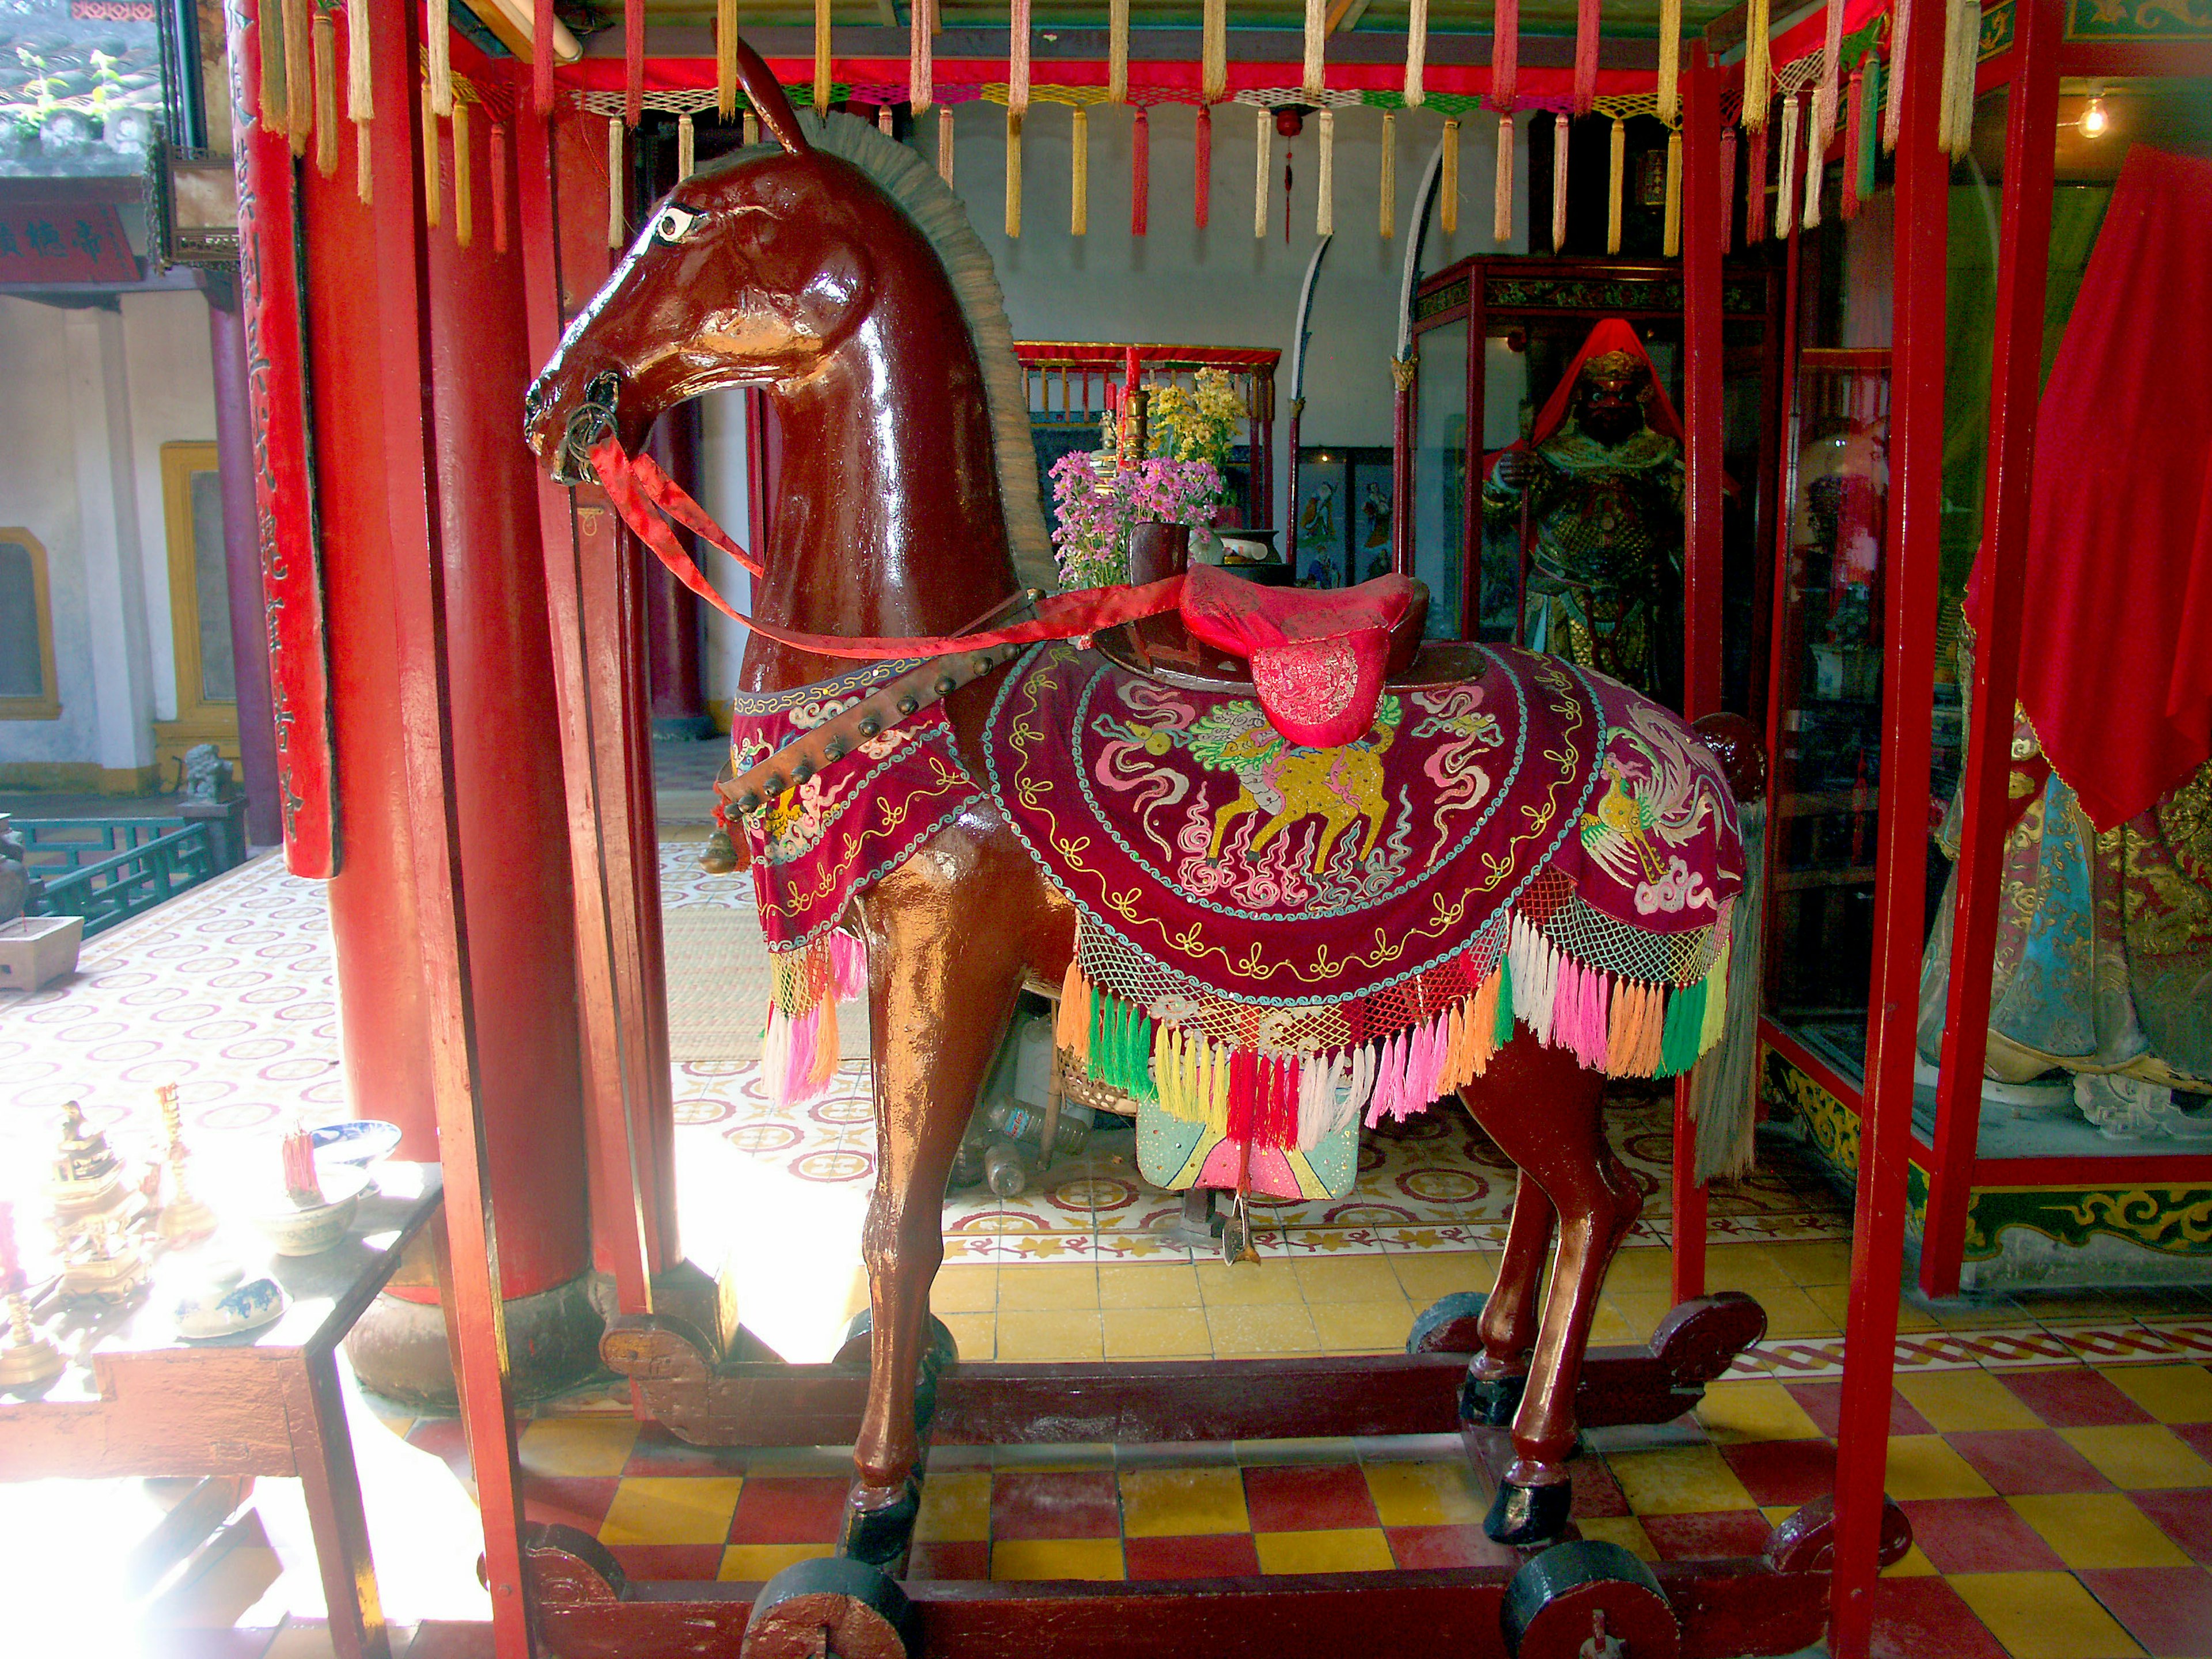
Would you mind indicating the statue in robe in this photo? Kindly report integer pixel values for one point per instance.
(1600, 477)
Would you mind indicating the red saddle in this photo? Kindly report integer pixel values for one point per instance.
(1319, 658)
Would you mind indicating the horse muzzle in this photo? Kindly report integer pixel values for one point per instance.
(591, 423)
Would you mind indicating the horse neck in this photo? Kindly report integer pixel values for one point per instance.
(888, 519)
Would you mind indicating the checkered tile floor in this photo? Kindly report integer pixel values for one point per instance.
(2059, 1513)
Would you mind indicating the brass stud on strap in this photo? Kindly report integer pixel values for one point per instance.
(946, 685)
(804, 770)
(908, 705)
(834, 750)
(870, 725)
(749, 802)
(773, 783)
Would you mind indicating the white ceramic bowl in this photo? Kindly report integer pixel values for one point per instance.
(295, 1229)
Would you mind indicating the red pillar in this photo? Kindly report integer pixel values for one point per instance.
(241, 557)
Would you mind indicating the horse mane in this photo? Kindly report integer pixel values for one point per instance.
(942, 218)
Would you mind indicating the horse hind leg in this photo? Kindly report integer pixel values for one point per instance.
(1507, 1326)
(1546, 1113)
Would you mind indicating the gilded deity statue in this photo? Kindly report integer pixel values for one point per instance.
(1601, 478)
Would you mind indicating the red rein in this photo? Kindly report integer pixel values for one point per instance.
(633, 482)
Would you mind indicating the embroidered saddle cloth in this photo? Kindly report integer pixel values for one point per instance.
(1274, 937)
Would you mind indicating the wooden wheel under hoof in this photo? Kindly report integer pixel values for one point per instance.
(1588, 1600)
(831, 1608)
(942, 1353)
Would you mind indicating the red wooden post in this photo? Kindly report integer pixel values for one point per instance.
(1923, 182)
(2016, 379)
(400, 302)
(1701, 541)
(241, 549)
(1402, 374)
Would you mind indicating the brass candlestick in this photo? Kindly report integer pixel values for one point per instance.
(27, 1361)
(184, 1219)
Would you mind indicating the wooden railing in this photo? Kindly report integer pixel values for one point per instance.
(108, 870)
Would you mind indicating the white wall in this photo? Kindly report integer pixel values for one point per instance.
(172, 392)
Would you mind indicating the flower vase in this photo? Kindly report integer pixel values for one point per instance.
(1158, 550)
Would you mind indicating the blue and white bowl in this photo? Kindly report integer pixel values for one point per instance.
(228, 1303)
(357, 1141)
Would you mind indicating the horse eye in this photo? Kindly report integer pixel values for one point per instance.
(675, 223)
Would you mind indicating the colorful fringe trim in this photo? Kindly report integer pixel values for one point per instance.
(798, 1055)
(1293, 1098)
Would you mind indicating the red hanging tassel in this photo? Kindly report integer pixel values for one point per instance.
(1141, 175)
(1202, 188)
(1505, 56)
(633, 61)
(498, 187)
(1755, 216)
(1855, 99)
(1727, 191)
(1241, 1093)
(541, 56)
(1585, 55)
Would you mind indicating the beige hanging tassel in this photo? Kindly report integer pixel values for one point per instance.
(1013, 175)
(362, 182)
(1558, 180)
(1417, 52)
(1671, 241)
(1670, 60)
(1824, 100)
(1758, 65)
(1448, 176)
(1618, 178)
(326, 95)
(299, 78)
(1316, 36)
(725, 58)
(821, 56)
(464, 223)
(1785, 183)
(1018, 58)
(361, 102)
(433, 208)
(1078, 199)
(1117, 51)
(1816, 175)
(1325, 186)
(752, 128)
(1212, 51)
(1266, 125)
(687, 148)
(945, 143)
(616, 227)
(1389, 218)
(276, 102)
(1501, 195)
(1892, 84)
(887, 120)
(921, 59)
(1962, 46)
(438, 48)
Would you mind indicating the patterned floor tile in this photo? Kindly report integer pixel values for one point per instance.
(1465, 1545)
(2167, 1609)
(1208, 1555)
(2043, 1616)
(1922, 1617)
(2098, 1530)
(2073, 1397)
(1711, 1535)
(2028, 1460)
(671, 1509)
(2171, 1394)
(1296, 1499)
(1349, 1549)
(1177, 1503)
(2140, 1456)
(758, 1563)
(1978, 1535)
(1081, 1504)
(1784, 1471)
(787, 1509)
(1924, 1466)
(1057, 1558)
(2184, 1516)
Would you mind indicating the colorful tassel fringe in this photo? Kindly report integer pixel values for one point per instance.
(799, 1055)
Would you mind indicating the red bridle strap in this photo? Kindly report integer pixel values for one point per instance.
(631, 484)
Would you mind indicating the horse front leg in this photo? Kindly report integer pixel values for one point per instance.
(1508, 1324)
(945, 968)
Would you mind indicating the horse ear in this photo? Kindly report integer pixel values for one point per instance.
(768, 102)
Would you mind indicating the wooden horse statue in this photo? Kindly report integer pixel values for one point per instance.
(835, 271)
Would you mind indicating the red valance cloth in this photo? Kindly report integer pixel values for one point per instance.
(2115, 670)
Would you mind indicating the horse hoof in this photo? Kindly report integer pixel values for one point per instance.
(831, 1606)
(881, 1537)
(1491, 1401)
(1524, 1517)
(1587, 1597)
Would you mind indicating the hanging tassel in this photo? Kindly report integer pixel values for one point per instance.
(1501, 195)
(299, 78)
(1502, 1033)
(1670, 61)
(465, 227)
(1243, 1093)
(945, 143)
(1618, 181)
(633, 62)
(276, 102)
(1018, 58)
(1647, 1047)
(1079, 184)
(1141, 174)
(1266, 128)
(1505, 56)
(1013, 175)
(1816, 177)
(617, 226)
(438, 50)
(1212, 51)
(1831, 66)
(1755, 189)
(1758, 65)
(1727, 190)
(1962, 42)
(726, 57)
(363, 189)
(1855, 138)
(1448, 177)
(687, 152)
(1117, 51)
(920, 64)
(1389, 187)
(1417, 52)
(1482, 1037)
(1670, 242)
(360, 99)
(1715, 1015)
(775, 1052)
(822, 88)
(1201, 185)
(887, 120)
(1892, 79)
(751, 129)
(325, 49)
(1325, 181)
(1785, 194)
(497, 161)
(433, 207)
(848, 967)
(1316, 35)
(1074, 1008)
(1558, 182)
(825, 1049)
(1586, 21)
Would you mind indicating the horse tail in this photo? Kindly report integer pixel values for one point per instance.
(1722, 1096)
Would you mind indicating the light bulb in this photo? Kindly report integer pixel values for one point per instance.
(2094, 120)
